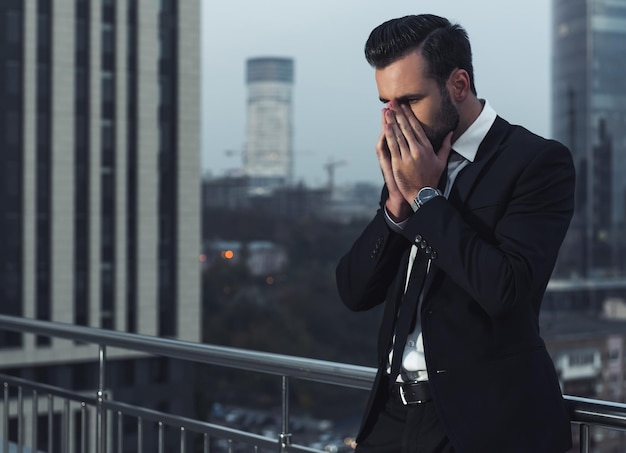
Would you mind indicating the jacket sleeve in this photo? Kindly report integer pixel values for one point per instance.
(366, 271)
(511, 261)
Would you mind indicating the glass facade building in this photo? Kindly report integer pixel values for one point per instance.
(99, 143)
(11, 163)
(99, 182)
(589, 116)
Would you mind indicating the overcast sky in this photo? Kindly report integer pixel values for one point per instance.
(336, 107)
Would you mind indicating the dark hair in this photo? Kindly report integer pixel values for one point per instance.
(444, 46)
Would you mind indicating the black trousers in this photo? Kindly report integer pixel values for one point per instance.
(406, 429)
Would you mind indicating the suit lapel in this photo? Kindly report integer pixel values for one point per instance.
(486, 151)
(469, 175)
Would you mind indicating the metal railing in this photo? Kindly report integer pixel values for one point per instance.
(583, 411)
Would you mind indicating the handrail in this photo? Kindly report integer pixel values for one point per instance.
(585, 411)
(604, 413)
(304, 368)
(151, 414)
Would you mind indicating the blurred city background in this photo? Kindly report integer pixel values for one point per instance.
(194, 171)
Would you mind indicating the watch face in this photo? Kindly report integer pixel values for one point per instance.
(425, 194)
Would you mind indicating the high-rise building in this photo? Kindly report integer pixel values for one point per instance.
(268, 153)
(99, 163)
(589, 116)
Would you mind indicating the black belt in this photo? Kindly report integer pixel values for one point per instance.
(413, 392)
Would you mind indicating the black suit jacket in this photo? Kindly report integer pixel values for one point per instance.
(496, 240)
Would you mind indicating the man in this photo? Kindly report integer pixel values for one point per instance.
(460, 252)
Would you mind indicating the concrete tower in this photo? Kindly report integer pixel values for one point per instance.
(268, 154)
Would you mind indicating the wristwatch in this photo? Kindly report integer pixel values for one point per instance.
(425, 194)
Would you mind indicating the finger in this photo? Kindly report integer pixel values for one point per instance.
(382, 147)
(384, 161)
(407, 129)
(395, 140)
(394, 131)
(382, 151)
(416, 126)
(410, 124)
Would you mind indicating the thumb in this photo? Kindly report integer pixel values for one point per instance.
(446, 147)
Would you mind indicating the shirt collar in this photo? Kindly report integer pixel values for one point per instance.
(469, 141)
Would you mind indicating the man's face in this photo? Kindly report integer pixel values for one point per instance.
(404, 81)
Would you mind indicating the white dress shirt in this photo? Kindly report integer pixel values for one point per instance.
(413, 361)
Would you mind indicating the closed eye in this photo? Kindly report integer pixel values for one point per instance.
(408, 99)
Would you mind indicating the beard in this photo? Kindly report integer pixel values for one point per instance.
(446, 120)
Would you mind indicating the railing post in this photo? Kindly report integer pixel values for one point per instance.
(139, 435)
(100, 411)
(5, 425)
(284, 439)
(584, 438)
(50, 421)
(34, 421)
(20, 420)
(183, 440)
(120, 430)
(65, 427)
(84, 428)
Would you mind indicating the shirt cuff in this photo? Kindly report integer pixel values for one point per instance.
(397, 227)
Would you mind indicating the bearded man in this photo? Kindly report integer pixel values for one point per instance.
(472, 215)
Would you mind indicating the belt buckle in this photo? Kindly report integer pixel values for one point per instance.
(402, 397)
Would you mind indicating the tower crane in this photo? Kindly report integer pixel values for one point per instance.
(330, 169)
